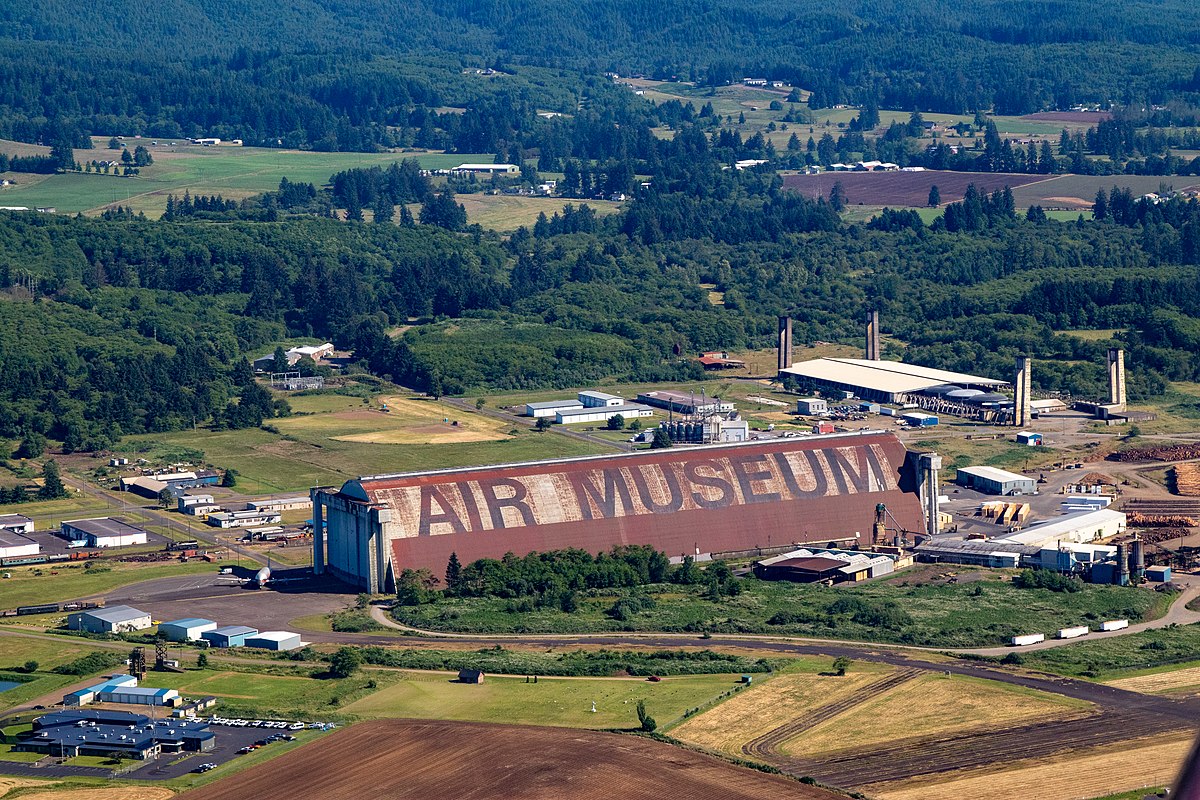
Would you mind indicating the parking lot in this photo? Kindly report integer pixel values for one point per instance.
(229, 741)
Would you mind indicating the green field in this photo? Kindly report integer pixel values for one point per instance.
(276, 696)
(508, 212)
(234, 172)
(48, 513)
(1122, 657)
(33, 585)
(306, 455)
(929, 613)
(551, 701)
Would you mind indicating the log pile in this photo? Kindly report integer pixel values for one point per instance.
(1187, 479)
(1138, 520)
(1178, 452)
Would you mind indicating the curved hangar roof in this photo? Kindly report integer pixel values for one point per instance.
(712, 499)
(885, 376)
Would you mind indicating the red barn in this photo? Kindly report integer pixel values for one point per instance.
(718, 500)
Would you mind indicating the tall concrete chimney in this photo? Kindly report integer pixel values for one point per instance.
(1116, 379)
(1022, 412)
(873, 336)
(784, 343)
(931, 465)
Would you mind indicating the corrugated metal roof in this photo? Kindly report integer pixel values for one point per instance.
(993, 474)
(542, 404)
(884, 376)
(812, 564)
(609, 410)
(232, 630)
(116, 613)
(190, 622)
(1065, 526)
(704, 499)
(104, 526)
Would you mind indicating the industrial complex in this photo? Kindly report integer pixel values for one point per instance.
(705, 501)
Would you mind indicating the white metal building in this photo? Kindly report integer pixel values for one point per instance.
(17, 545)
(103, 532)
(1083, 526)
(594, 399)
(115, 619)
(488, 169)
(139, 696)
(187, 500)
(812, 405)
(602, 413)
(995, 481)
(275, 640)
(242, 519)
(548, 408)
(186, 630)
(280, 504)
(15, 523)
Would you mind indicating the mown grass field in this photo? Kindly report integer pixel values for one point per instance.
(269, 695)
(968, 614)
(508, 212)
(563, 702)
(307, 452)
(234, 172)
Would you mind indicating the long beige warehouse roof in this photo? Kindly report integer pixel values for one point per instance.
(884, 376)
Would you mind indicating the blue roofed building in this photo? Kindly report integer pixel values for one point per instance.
(228, 635)
(186, 630)
(102, 733)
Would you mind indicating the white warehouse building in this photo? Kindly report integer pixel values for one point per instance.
(1080, 527)
(103, 532)
(115, 619)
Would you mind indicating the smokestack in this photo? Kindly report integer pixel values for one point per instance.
(784, 343)
(1116, 379)
(1137, 561)
(1022, 412)
(873, 336)
(931, 464)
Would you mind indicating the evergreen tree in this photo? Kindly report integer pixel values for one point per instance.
(453, 574)
(935, 196)
(52, 485)
(661, 439)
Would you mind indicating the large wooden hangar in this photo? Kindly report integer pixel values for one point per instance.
(701, 501)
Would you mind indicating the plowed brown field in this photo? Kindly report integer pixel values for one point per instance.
(393, 759)
(903, 188)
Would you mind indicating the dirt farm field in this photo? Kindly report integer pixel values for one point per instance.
(1078, 776)
(903, 188)
(911, 189)
(394, 759)
(1084, 117)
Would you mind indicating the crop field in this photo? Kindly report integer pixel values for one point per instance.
(774, 701)
(1079, 775)
(234, 172)
(410, 759)
(500, 212)
(903, 188)
(100, 793)
(1089, 118)
(932, 705)
(1178, 680)
(560, 702)
(1078, 192)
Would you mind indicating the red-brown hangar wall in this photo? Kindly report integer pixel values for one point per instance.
(681, 501)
